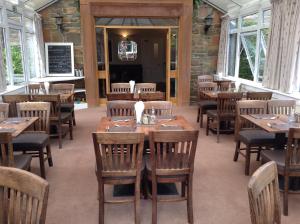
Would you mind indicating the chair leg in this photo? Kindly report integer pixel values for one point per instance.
(258, 154)
(49, 155)
(154, 200)
(73, 116)
(183, 186)
(207, 125)
(101, 202)
(285, 196)
(201, 119)
(59, 132)
(71, 129)
(198, 115)
(247, 165)
(218, 131)
(42, 164)
(190, 200)
(137, 201)
(237, 151)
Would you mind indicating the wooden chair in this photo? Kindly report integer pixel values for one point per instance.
(120, 87)
(226, 105)
(4, 110)
(204, 103)
(172, 160)
(7, 157)
(225, 85)
(120, 108)
(57, 118)
(259, 95)
(205, 78)
(161, 107)
(263, 192)
(12, 100)
(34, 142)
(245, 132)
(145, 87)
(119, 161)
(36, 88)
(120, 96)
(155, 96)
(287, 161)
(23, 197)
(66, 105)
(281, 106)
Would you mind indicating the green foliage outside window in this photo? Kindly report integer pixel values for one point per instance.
(245, 70)
(16, 54)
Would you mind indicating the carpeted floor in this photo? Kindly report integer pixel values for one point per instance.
(220, 186)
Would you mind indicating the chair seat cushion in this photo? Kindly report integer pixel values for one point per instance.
(214, 114)
(30, 141)
(64, 116)
(22, 161)
(67, 107)
(256, 137)
(208, 104)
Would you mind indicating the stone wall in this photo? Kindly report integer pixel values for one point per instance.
(205, 47)
(69, 9)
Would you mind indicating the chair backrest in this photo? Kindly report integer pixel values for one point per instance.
(292, 154)
(145, 87)
(23, 197)
(281, 106)
(205, 78)
(206, 86)
(12, 100)
(4, 109)
(152, 96)
(173, 152)
(67, 88)
(119, 96)
(226, 102)
(263, 192)
(120, 108)
(53, 99)
(120, 87)
(160, 107)
(118, 154)
(7, 152)
(224, 86)
(35, 88)
(248, 107)
(259, 95)
(36, 109)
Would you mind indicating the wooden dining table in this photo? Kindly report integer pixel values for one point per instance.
(136, 96)
(16, 125)
(213, 95)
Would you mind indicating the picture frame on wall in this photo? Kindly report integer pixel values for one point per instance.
(59, 59)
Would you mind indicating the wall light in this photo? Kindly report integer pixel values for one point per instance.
(208, 20)
(59, 22)
(125, 35)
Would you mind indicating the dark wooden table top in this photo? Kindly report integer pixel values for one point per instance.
(175, 123)
(16, 125)
(272, 123)
(135, 96)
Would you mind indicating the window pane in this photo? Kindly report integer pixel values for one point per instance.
(262, 53)
(267, 17)
(137, 21)
(250, 20)
(232, 54)
(16, 55)
(30, 53)
(1, 19)
(14, 16)
(247, 56)
(174, 48)
(233, 24)
(2, 43)
(100, 48)
(28, 25)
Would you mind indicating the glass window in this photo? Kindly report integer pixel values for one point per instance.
(233, 24)
(30, 53)
(251, 20)
(174, 48)
(232, 54)
(262, 52)
(16, 55)
(247, 56)
(137, 21)
(1, 19)
(28, 25)
(2, 43)
(267, 17)
(14, 16)
(100, 48)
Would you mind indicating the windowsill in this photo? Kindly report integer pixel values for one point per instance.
(56, 79)
(11, 89)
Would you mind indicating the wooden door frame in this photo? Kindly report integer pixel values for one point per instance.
(182, 9)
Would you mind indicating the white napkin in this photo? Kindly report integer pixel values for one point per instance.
(47, 85)
(131, 83)
(139, 108)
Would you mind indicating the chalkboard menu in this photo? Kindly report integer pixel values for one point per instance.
(59, 59)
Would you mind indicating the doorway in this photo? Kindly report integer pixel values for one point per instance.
(149, 63)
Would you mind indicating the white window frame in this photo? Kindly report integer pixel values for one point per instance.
(242, 30)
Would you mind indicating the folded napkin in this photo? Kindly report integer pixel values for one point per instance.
(47, 85)
(139, 109)
(132, 84)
